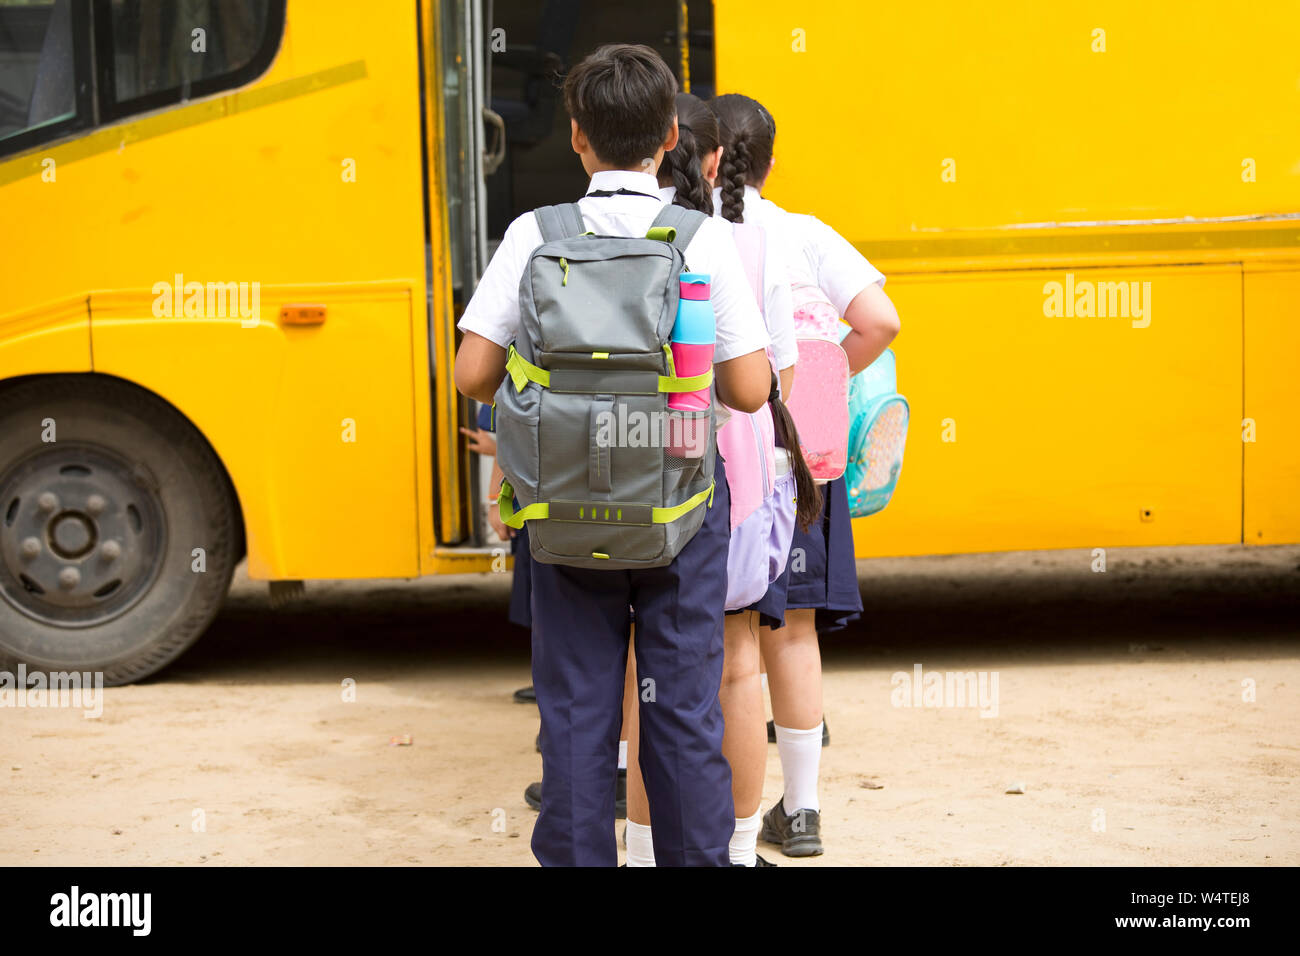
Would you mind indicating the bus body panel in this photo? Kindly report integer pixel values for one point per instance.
(976, 155)
(1034, 432)
(1044, 121)
(54, 337)
(306, 185)
(1271, 425)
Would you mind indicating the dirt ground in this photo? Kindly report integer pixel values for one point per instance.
(1120, 709)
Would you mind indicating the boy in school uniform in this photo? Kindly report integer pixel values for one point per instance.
(620, 101)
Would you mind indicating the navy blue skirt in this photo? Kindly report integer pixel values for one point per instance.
(822, 571)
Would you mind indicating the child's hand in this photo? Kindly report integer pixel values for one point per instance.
(481, 442)
(494, 519)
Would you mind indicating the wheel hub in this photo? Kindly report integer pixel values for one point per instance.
(71, 535)
(81, 536)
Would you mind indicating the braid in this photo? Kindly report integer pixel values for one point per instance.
(735, 167)
(684, 165)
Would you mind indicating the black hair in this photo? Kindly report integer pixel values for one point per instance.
(748, 136)
(682, 167)
(807, 495)
(622, 99)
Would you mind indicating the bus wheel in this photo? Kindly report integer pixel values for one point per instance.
(119, 529)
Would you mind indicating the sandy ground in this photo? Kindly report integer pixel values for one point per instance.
(1120, 709)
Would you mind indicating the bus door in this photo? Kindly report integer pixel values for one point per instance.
(506, 151)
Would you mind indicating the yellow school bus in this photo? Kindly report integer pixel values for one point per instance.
(235, 236)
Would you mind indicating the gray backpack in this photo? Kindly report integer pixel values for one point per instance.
(581, 416)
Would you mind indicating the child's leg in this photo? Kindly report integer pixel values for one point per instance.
(640, 850)
(580, 628)
(629, 710)
(794, 675)
(679, 649)
(745, 737)
(638, 809)
(744, 742)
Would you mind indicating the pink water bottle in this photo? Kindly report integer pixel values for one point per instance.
(693, 336)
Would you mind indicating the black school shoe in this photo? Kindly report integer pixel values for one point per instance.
(798, 834)
(533, 797)
(526, 695)
(826, 735)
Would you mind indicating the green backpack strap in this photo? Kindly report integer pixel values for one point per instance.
(560, 222)
(682, 224)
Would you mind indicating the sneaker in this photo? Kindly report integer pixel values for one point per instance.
(759, 861)
(533, 797)
(798, 833)
(526, 695)
(826, 733)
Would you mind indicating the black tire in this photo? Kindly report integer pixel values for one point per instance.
(98, 528)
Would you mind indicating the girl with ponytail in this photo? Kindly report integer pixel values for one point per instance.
(822, 585)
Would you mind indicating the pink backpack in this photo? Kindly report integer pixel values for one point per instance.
(762, 502)
(819, 400)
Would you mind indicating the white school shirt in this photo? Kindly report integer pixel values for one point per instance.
(820, 255)
(493, 311)
(778, 304)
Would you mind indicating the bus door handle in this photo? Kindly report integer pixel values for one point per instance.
(493, 158)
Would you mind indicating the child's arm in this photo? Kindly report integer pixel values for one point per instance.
(745, 381)
(480, 367)
(875, 322)
(491, 318)
(856, 288)
(741, 370)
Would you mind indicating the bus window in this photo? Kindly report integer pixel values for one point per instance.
(153, 54)
(42, 56)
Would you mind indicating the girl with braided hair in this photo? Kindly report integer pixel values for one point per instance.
(757, 547)
(822, 594)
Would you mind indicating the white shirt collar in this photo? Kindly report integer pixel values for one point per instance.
(615, 179)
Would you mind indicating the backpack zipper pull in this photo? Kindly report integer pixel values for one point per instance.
(564, 264)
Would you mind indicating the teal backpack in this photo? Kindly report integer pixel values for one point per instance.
(878, 418)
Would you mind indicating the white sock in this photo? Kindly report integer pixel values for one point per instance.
(640, 848)
(801, 757)
(622, 755)
(744, 841)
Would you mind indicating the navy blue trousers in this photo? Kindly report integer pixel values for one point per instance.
(581, 625)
